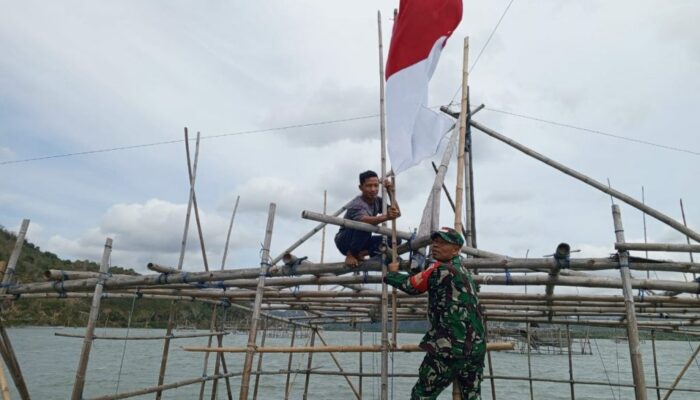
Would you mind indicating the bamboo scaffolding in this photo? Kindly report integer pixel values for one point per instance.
(90, 329)
(656, 369)
(264, 266)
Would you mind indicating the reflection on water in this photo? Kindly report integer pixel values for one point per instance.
(49, 362)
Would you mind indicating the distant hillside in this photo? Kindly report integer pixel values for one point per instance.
(33, 263)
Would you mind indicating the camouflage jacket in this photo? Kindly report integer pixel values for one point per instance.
(456, 323)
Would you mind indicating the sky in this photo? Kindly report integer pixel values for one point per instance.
(286, 97)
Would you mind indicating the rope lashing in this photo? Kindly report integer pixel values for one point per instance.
(62, 290)
(509, 278)
(162, 278)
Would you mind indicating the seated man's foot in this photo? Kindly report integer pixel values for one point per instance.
(351, 261)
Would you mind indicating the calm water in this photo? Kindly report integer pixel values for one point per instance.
(49, 364)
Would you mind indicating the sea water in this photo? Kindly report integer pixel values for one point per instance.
(49, 363)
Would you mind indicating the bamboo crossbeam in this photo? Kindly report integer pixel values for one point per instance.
(590, 181)
(671, 247)
(173, 336)
(121, 282)
(406, 348)
(361, 226)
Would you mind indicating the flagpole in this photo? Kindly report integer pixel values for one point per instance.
(459, 190)
(385, 295)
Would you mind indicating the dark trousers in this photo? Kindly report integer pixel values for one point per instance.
(356, 241)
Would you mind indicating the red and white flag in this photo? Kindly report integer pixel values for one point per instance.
(420, 32)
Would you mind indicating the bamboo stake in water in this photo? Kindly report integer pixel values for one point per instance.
(260, 360)
(680, 374)
(632, 330)
(6, 350)
(656, 369)
(255, 318)
(529, 361)
(308, 366)
(92, 320)
(287, 387)
(571, 364)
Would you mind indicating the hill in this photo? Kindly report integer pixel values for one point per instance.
(32, 264)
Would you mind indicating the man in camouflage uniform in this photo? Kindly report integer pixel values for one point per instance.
(455, 343)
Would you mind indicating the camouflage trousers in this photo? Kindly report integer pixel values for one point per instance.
(436, 373)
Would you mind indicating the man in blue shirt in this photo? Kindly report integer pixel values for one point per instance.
(356, 245)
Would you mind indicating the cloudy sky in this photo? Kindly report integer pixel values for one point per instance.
(84, 76)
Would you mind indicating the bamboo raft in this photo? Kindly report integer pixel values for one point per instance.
(272, 288)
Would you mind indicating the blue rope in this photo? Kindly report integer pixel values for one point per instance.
(185, 276)
(509, 278)
(365, 276)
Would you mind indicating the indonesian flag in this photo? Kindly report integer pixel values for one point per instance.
(420, 32)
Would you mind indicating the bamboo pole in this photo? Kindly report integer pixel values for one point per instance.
(205, 367)
(632, 331)
(173, 336)
(461, 146)
(6, 349)
(384, 387)
(287, 387)
(656, 369)
(680, 374)
(359, 377)
(592, 182)
(685, 223)
(377, 348)
(308, 364)
(264, 265)
(421, 241)
(192, 174)
(90, 329)
(260, 361)
(4, 387)
(529, 361)
(462, 178)
(670, 247)
(571, 364)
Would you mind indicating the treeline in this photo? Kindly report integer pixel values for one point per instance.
(147, 313)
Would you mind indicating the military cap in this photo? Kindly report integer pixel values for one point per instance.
(449, 235)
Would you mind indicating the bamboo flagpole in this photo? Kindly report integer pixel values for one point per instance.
(384, 388)
(255, 318)
(92, 321)
(459, 190)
